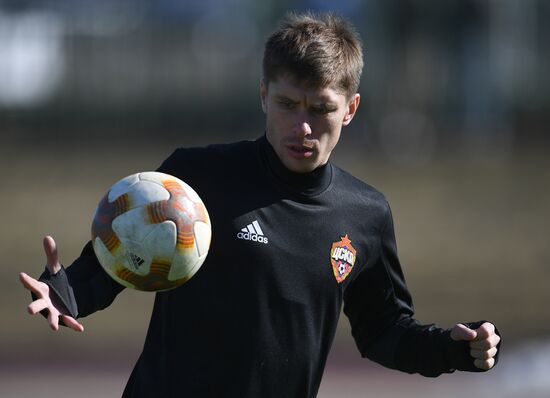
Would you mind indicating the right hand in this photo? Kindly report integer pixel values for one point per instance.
(46, 300)
(483, 343)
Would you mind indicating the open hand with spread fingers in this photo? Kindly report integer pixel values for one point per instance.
(45, 298)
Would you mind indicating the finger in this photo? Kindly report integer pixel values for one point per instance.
(461, 332)
(53, 319)
(484, 354)
(484, 364)
(486, 344)
(52, 258)
(37, 306)
(72, 323)
(32, 284)
(485, 330)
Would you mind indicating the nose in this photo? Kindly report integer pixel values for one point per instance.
(302, 129)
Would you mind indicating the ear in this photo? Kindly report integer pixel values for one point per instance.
(263, 94)
(353, 105)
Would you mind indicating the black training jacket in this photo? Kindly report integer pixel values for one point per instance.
(288, 252)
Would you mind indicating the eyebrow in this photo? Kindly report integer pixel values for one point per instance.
(283, 97)
(323, 102)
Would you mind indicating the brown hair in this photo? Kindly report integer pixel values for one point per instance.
(315, 50)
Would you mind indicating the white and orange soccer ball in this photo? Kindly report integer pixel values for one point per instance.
(151, 232)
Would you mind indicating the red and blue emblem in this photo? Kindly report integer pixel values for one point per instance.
(342, 258)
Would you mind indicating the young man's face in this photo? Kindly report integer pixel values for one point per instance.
(303, 125)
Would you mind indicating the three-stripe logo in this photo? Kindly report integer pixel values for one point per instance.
(253, 232)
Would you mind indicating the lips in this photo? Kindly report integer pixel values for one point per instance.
(300, 151)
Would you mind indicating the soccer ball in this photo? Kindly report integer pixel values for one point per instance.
(151, 232)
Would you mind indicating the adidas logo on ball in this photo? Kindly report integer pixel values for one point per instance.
(253, 232)
(135, 260)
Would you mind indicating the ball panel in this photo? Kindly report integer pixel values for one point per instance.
(105, 214)
(154, 176)
(142, 188)
(133, 256)
(190, 270)
(155, 280)
(102, 253)
(184, 261)
(106, 258)
(203, 234)
(186, 238)
(144, 192)
(122, 186)
(133, 225)
(161, 241)
(191, 194)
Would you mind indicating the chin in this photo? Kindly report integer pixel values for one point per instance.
(300, 167)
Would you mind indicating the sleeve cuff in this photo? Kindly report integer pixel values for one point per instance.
(458, 352)
(59, 284)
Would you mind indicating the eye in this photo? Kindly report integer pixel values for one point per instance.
(322, 110)
(286, 104)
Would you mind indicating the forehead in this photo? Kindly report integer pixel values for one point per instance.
(287, 87)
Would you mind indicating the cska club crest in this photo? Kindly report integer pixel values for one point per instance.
(342, 258)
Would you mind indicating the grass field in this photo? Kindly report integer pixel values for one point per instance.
(473, 240)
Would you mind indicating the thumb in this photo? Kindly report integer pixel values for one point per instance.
(52, 258)
(461, 332)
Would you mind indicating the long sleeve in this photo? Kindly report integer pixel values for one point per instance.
(93, 288)
(84, 287)
(380, 311)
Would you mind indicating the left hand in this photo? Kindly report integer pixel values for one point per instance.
(483, 343)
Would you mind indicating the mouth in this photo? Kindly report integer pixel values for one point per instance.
(300, 151)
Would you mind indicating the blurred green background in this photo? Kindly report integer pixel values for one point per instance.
(452, 128)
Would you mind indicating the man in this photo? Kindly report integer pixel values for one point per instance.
(259, 318)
